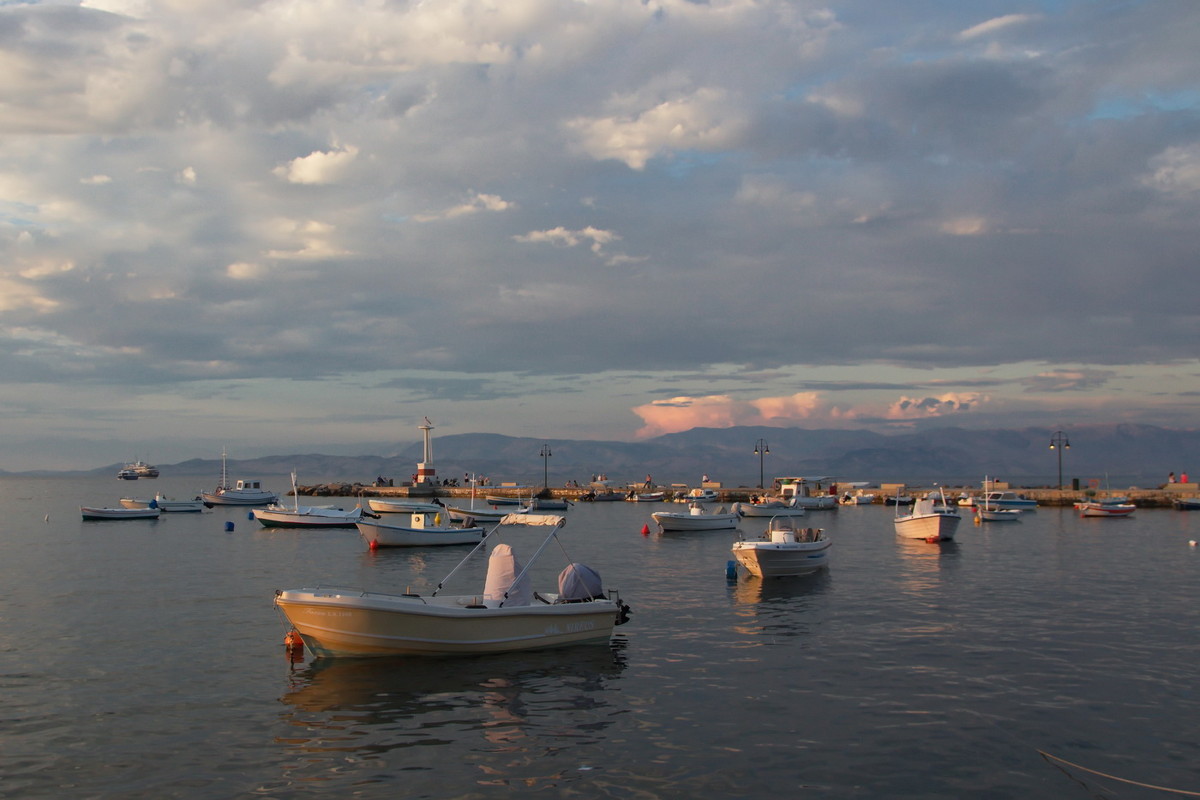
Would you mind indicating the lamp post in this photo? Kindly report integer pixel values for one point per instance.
(760, 450)
(1060, 442)
(545, 454)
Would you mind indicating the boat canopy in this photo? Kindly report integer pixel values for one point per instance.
(502, 586)
(533, 519)
(579, 582)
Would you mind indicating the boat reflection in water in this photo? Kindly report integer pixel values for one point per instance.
(778, 607)
(377, 716)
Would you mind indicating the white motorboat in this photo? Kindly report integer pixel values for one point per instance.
(768, 508)
(998, 514)
(784, 550)
(94, 512)
(648, 497)
(928, 521)
(807, 492)
(423, 530)
(859, 498)
(170, 505)
(699, 496)
(1009, 500)
(298, 516)
(1102, 508)
(506, 616)
(985, 511)
(696, 518)
(546, 504)
(243, 493)
(403, 505)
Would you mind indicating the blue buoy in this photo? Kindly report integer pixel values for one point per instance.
(228, 526)
(731, 570)
(249, 515)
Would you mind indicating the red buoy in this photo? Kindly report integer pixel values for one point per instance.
(645, 530)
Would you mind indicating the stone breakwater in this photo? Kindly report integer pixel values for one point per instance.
(1161, 497)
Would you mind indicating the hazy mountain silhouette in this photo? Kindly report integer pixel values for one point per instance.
(1128, 454)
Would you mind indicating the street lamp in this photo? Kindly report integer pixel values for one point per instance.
(760, 450)
(1060, 442)
(545, 454)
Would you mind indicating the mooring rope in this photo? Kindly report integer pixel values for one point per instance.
(1183, 792)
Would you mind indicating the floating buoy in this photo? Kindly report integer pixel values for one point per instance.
(645, 530)
(249, 515)
(731, 570)
(229, 525)
(1191, 542)
(292, 640)
(374, 545)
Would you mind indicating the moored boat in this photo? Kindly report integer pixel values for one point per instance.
(98, 513)
(784, 550)
(422, 531)
(696, 518)
(1005, 499)
(927, 521)
(768, 508)
(1105, 509)
(243, 493)
(403, 505)
(506, 616)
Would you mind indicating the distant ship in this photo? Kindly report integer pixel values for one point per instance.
(138, 469)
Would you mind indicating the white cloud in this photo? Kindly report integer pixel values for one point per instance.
(1175, 171)
(319, 167)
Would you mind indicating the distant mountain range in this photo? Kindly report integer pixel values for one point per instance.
(1121, 455)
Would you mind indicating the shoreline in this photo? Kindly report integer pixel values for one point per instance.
(1142, 498)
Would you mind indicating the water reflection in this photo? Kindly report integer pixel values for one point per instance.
(773, 608)
(372, 706)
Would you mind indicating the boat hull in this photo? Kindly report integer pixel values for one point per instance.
(378, 534)
(315, 518)
(782, 559)
(346, 623)
(998, 514)
(934, 527)
(233, 498)
(94, 513)
(670, 521)
(380, 505)
(1106, 510)
(767, 510)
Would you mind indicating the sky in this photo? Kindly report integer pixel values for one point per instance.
(286, 227)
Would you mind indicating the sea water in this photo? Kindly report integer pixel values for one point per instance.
(144, 659)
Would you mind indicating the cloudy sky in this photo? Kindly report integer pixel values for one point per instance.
(302, 225)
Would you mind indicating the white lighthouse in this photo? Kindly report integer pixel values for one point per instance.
(426, 473)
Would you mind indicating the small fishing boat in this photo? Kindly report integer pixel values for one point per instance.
(506, 616)
(423, 530)
(784, 550)
(1103, 508)
(94, 512)
(987, 512)
(768, 508)
(243, 493)
(933, 523)
(696, 518)
(1187, 503)
(403, 505)
(548, 504)
(648, 497)
(298, 516)
(1006, 499)
(859, 498)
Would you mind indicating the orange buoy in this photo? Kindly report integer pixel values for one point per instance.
(293, 641)
(645, 530)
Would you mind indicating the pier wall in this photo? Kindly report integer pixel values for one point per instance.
(1160, 497)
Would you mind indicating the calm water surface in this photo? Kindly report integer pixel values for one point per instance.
(144, 659)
